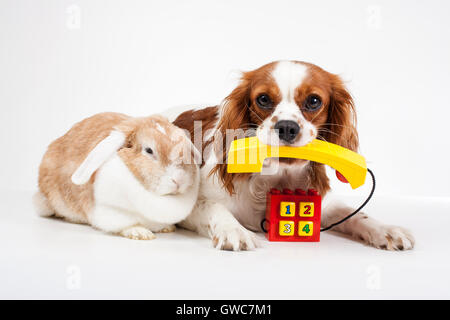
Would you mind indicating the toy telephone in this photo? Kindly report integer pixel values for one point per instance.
(248, 155)
(295, 216)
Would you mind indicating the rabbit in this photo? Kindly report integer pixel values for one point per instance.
(122, 175)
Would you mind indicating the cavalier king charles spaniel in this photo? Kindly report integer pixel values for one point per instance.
(282, 103)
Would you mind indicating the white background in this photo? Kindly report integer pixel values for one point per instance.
(61, 61)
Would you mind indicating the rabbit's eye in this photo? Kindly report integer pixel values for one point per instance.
(149, 150)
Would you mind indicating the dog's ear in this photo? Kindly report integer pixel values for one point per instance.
(233, 115)
(341, 117)
(234, 108)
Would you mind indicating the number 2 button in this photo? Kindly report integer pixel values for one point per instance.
(306, 209)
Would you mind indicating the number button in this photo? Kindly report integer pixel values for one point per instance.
(286, 228)
(306, 209)
(305, 228)
(287, 209)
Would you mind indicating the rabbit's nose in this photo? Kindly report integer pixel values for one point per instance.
(176, 183)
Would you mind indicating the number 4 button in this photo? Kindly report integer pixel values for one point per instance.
(306, 209)
(305, 228)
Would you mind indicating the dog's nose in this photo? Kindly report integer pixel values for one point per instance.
(287, 130)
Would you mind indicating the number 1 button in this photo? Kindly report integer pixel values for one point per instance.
(287, 209)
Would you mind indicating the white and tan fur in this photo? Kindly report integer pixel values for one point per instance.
(230, 207)
(102, 173)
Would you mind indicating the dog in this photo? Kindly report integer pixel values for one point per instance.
(282, 103)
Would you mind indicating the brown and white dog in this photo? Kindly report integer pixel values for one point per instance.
(283, 103)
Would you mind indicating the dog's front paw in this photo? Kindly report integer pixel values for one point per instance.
(389, 238)
(234, 237)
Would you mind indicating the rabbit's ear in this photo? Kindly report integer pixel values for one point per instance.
(102, 152)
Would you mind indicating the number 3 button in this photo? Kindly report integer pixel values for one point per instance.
(286, 228)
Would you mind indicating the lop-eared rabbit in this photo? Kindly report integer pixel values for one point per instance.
(123, 175)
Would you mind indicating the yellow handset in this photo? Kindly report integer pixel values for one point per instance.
(248, 155)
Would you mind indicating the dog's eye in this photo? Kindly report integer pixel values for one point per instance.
(263, 101)
(313, 102)
(149, 150)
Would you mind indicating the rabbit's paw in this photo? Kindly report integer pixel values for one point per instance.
(168, 229)
(137, 233)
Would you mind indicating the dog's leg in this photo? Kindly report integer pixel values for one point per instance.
(367, 229)
(213, 220)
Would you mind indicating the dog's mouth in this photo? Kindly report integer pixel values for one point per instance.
(291, 161)
(274, 165)
(284, 161)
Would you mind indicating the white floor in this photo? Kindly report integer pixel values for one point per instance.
(48, 258)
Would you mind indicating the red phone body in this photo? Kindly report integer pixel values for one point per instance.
(293, 215)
